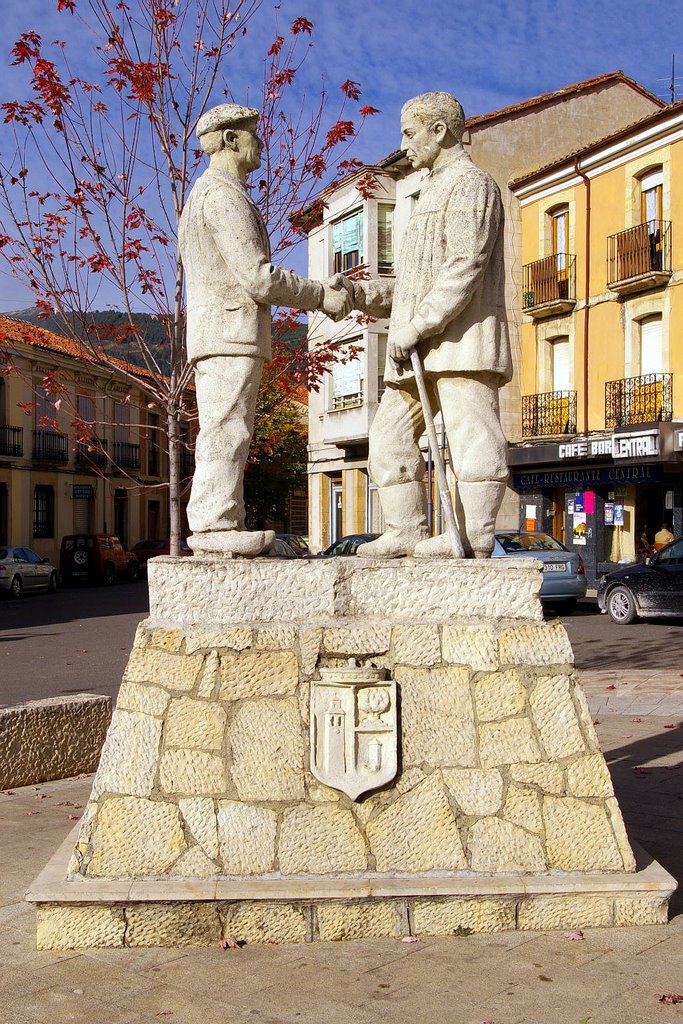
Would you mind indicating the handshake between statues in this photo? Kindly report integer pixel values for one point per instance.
(338, 297)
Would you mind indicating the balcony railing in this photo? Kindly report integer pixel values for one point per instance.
(126, 455)
(645, 399)
(11, 440)
(550, 281)
(643, 251)
(92, 453)
(48, 446)
(549, 414)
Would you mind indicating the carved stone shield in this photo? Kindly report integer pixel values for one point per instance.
(353, 729)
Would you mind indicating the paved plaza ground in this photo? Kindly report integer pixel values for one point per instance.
(634, 681)
(612, 976)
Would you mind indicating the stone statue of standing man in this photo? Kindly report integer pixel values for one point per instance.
(448, 302)
(231, 285)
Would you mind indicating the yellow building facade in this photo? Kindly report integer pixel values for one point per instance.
(600, 463)
(52, 484)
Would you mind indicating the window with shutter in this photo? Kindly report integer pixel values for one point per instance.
(347, 242)
(347, 379)
(385, 238)
(121, 422)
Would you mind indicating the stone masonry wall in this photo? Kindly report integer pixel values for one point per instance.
(205, 770)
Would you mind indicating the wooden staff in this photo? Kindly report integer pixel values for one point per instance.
(444, 492)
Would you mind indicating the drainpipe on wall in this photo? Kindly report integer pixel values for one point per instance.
(586, 310)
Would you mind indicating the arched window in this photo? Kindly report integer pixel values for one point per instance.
(651, 359)
(651, 190)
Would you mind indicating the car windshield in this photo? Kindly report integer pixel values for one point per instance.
(511, 542)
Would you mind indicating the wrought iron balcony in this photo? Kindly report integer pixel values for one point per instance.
(549, 414)
(92, 453)
(49, 446)
(549, 285)
(639, 257)
(11, 440)
(645, 399)
(126, 455)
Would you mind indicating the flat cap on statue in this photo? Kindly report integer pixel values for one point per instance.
(223, 116)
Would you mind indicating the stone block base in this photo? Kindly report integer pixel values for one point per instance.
(254, 781)
(97, 914)
(52, 739)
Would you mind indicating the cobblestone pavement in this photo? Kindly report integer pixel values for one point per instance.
(612, 976)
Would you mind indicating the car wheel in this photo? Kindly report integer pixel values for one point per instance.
(621, 606)
(133, 572)
(16, 587)
(52, 585)
(109, 575)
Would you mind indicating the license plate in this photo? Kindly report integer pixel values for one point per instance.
(554, 567)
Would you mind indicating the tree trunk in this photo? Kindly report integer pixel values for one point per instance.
(174, 483)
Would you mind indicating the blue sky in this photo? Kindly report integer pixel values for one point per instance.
(490, 53)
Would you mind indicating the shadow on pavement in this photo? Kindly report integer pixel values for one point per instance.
(72, 603)
(651, 795)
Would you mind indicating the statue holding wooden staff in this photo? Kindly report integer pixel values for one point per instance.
(447, 338)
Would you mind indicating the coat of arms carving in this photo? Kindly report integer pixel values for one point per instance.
(353, 729)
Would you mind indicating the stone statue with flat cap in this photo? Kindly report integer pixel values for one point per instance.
(231, 285)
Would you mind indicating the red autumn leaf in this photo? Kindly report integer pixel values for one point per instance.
(276, 47)
(66, 5)
(300, 25)
(670, 725)
(671, 998)
(410, 938)
(574, 936)
(72, 817)
(596, 721)
(351, 89)
(636, 719)
(229, 942)
(368, 111)
(29, 814)
(611, 687)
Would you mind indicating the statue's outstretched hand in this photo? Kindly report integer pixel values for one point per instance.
(337, 297)
(401, 342)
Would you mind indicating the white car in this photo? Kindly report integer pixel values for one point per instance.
(21, 569)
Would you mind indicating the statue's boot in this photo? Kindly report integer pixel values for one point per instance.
(232, 543)
(435, 547)
(404, 515)
(477, 508)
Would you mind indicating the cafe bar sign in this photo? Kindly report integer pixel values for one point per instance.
(638, 445)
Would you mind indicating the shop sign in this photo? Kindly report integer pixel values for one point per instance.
(635, 446)
(641, 444)
(585, 449)
(587, 478)
(678, 440)
(82, 491)
(619, 515)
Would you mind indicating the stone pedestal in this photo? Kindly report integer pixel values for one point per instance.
(208, 816)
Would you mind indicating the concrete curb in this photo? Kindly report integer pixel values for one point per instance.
(50, 739)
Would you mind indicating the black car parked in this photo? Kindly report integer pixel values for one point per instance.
(650, 590)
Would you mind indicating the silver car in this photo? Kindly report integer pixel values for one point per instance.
(23, 570)
(564, 575)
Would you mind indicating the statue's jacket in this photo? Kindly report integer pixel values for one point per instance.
(450, 277)
(231, 282)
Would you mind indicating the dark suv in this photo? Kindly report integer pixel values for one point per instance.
(96, 557)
